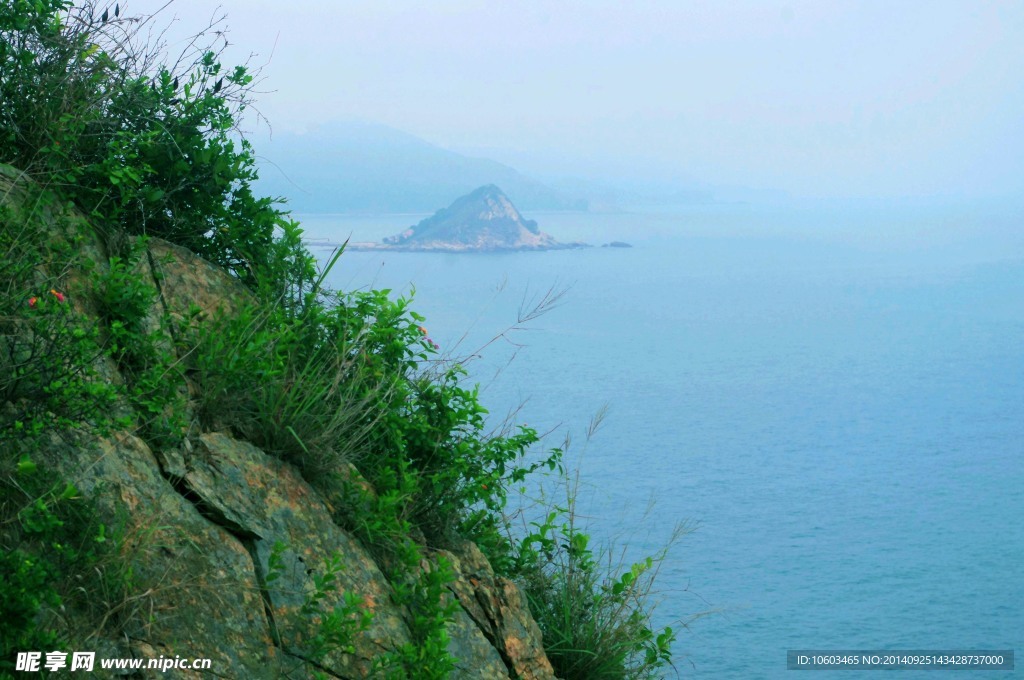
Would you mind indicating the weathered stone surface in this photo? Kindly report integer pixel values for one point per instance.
(499, 610)
(266, 502)
(185, 280)
(195, 594)
(475, 656)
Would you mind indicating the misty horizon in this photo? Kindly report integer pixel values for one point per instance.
(813, 100)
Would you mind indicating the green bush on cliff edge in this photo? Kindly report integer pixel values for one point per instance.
(344, 386)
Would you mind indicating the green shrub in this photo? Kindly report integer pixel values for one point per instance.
(336, 628)
(26, 589)
(57, 562)
(423, 592)
(87, 108)
(49, 351)
(594, 613)
(594, 617)
(139, 340)
(296, 388)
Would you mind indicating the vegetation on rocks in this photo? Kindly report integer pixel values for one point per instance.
(116, 157)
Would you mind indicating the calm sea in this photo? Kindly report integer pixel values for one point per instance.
(834, 394)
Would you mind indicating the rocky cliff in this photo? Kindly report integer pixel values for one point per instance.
(233, 555)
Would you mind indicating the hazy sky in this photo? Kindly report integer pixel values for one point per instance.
(819, 98)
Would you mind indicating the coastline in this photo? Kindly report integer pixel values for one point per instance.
(362, 246)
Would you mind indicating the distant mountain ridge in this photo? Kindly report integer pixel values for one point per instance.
(362, 167)
(483, 220)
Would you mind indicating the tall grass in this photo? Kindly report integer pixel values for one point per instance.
(594, 609)
(297, 389)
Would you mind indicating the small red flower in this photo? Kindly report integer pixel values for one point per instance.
(34, 301)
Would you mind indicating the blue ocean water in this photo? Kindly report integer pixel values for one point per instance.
(834, 394)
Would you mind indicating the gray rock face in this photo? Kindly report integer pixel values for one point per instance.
(498, 608)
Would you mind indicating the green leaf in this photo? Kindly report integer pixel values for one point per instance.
(69, 492)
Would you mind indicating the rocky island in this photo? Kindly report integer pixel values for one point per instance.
(483, 220)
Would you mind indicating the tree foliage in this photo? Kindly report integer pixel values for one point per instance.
(141, 145)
